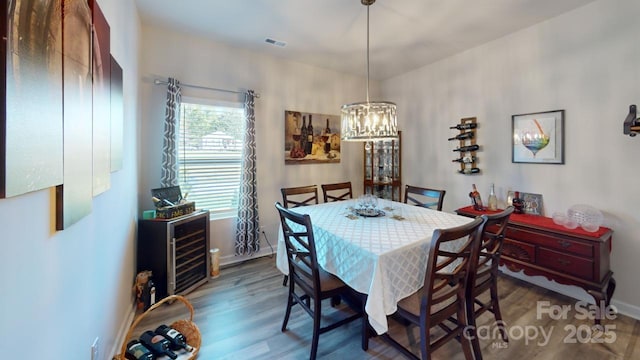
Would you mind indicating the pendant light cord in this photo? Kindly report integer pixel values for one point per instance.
(368, 5)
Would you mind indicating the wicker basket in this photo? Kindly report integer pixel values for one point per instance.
(186, 326)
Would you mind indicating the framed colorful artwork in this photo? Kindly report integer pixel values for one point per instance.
(538, 138)
(311, 138)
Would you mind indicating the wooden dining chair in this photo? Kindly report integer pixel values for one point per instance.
(485, 277)
(425, 197)
(440, 303)
(337, 192)
(299, 196)
(310, 284)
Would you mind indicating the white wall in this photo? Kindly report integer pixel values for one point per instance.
(61, 290)
(585, 62)
(282, 86)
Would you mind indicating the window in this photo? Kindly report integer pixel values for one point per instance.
(210, 154)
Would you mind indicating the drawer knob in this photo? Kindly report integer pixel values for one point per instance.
(564, 262)
(564, 243)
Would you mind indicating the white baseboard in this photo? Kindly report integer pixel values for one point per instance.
(232, 259)
(124, 328)
(575, 292)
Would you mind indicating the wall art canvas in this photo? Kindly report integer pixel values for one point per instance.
(117, 116)
(101, 101)
(538, 137)
(31, 128)
(74, 196)
(311, 138)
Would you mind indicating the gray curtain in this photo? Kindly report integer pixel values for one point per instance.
(247, 227)
(169, 149)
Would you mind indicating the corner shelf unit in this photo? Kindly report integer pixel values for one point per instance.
(467, 147)
(382, 168)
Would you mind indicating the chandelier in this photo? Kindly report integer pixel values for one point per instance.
(369, 120)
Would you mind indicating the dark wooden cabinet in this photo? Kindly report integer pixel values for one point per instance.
(176, 251)
(536, 245)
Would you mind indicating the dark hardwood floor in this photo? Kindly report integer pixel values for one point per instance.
(240, 313)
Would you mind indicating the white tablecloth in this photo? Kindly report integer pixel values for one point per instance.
(379, 256)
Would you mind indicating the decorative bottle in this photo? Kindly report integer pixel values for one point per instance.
(518, 204)
(476, 199)
(493, 200)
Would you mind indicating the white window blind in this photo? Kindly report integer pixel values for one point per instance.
(210, 154)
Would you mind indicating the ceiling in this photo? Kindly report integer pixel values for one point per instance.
(404, 34)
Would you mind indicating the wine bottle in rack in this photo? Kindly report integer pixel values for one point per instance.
(467, 148)
(474, 170)
(465, 126)
(176, 339)
(465, 159)
(157, 344)
(463, 136)
(137, 351)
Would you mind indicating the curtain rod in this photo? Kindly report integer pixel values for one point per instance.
(163, 82)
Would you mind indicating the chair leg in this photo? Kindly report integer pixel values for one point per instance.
(469, 339)
(495, 305)
(287, 313)
(316, 328)
(284, 281)
(470, 332)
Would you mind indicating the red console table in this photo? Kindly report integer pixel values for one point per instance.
(536, 245)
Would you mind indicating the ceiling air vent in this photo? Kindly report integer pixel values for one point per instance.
(275, 42)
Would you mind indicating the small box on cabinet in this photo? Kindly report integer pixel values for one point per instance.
(170, 212)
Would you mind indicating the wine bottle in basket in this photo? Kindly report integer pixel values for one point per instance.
(137, 351)
(157, 344)
(176, 339)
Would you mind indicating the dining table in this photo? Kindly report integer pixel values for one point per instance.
(381, 253)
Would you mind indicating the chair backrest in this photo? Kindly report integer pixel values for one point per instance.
(337, 191)
(299, 196)
(450, 262)
(493, 238)
(301, 249)
(425, 197)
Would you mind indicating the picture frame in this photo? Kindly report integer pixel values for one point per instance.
(322, 146)
(533, 204)
(538, 138)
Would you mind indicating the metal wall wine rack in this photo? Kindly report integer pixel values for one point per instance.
(467, 146)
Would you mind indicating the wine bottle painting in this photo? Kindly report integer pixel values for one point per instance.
(538, 137)
(311, 138)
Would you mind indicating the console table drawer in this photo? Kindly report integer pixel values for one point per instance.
(519, 250)
(566, 263)
(553, 241)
